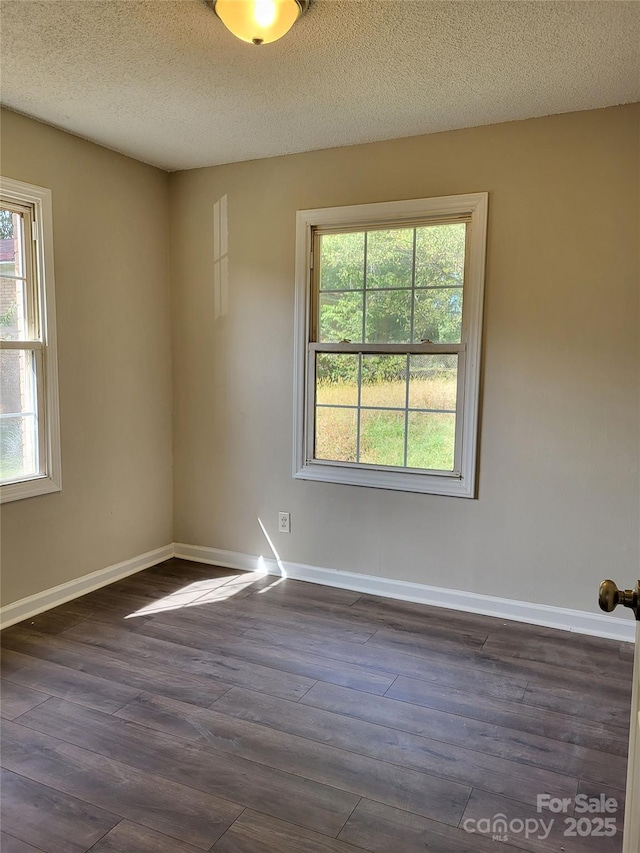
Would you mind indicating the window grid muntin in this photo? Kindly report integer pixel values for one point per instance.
(317, 235)
(413, 292)
(406, 348)
(358, 424)
(386, 408)
(364, 289)
(394, 289)
(430, 349)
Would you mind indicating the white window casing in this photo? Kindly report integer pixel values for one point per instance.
(38, 252)
(461, 481)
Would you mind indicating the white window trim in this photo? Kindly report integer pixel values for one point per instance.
(51, 479)
(474, 205)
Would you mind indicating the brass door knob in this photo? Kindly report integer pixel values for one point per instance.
(609, 596)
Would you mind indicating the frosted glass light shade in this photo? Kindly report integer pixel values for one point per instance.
(259, 21)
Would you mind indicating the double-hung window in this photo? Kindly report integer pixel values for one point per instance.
(389, 320)
(29, 431)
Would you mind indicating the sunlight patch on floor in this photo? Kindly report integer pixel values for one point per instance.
(211, 590)
(202, 592)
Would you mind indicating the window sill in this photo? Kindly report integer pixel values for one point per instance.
(28, 489)
(399, 481)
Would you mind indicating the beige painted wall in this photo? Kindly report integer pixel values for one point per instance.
(558, 499)
(112, 290)
(558, 503)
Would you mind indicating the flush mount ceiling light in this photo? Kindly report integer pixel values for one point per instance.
(258, 21)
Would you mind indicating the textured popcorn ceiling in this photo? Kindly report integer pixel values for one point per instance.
(163, 80)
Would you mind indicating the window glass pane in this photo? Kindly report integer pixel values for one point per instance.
(430, 441)
(342, 261)
(384, 380)
(13, 325)
(18, 420)
(382, 437)
(440, 255)
(390, 258)
(18, 440)
(336, 434)
(388, 317)
(340, 317)
(337, 379)
(438, 315)
(433, 381)
(11, 243)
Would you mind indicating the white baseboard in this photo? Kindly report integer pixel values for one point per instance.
(579, 621)
(34, 604)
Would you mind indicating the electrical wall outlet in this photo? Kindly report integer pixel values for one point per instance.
(284, 522)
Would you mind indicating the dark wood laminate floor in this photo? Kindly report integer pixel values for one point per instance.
(193, 708)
